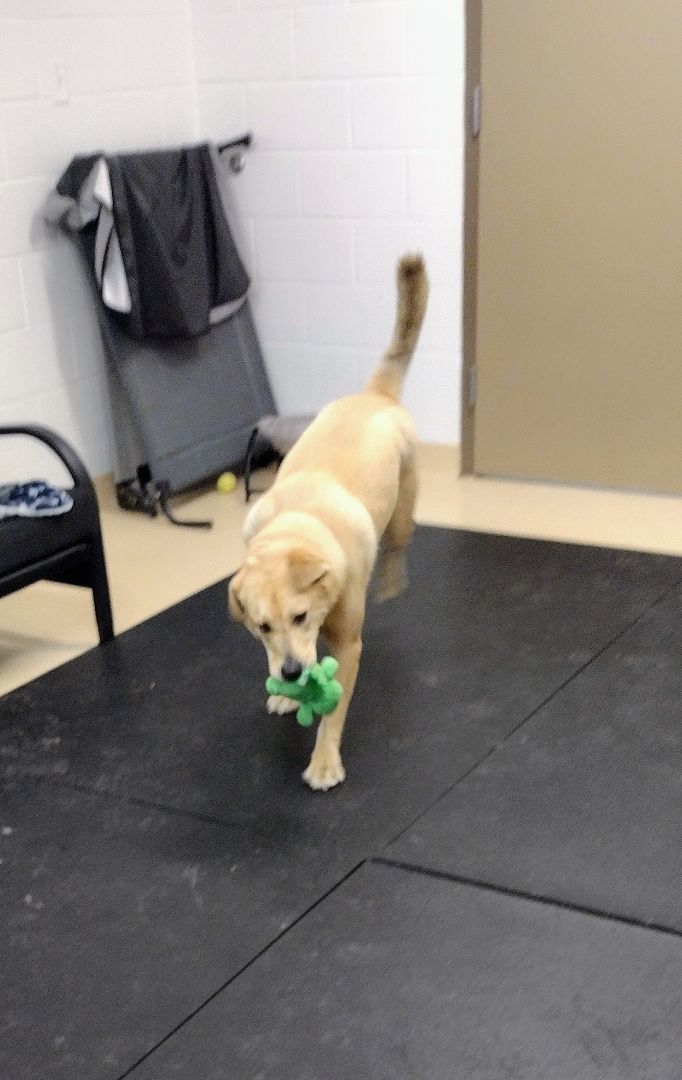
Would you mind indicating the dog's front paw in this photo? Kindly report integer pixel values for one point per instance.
(281, 705)
(325, 770)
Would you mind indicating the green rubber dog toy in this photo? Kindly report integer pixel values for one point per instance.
(317, 690)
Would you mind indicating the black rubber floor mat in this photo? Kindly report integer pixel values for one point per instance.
(398, 976)
(117, 921)
(172, 715)
(583, 804)
(173, 711)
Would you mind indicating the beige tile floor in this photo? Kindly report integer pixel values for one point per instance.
(153, 565)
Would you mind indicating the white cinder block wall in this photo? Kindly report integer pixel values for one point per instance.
(356, 109)
(130, 83)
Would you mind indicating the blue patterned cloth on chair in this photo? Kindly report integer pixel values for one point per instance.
(34, 499)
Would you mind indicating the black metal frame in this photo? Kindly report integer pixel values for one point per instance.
(147, 496)
(243, 140)
(81, 563)
(259, 453)
(248, 464)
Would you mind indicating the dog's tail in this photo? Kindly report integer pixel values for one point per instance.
(413, 292)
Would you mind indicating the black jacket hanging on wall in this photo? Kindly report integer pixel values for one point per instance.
(178, 252)
(180, 260)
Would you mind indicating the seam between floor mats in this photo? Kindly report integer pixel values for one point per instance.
(539, 707)
(521, 894)
(63, 784)
(148, 1053)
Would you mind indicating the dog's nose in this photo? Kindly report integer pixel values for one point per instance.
(291, 669)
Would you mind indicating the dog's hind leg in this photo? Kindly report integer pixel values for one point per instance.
(391, 577)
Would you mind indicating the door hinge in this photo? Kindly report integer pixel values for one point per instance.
(471, 386)
(475, 112)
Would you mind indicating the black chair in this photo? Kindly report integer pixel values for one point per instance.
(67, 548)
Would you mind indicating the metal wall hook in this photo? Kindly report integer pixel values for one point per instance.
(237, 159)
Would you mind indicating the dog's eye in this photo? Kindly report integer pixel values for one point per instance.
(298, 620)
(265, 628)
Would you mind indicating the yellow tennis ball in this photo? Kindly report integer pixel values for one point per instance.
(226, 482)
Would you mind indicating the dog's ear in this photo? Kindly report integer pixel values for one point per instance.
(237, 610)
(307, 569)
(310, 570)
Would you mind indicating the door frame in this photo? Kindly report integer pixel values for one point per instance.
(472, 84)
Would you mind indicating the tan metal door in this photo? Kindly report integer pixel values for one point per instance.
(579, 301)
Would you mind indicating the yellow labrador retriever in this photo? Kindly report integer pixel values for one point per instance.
(344, 494)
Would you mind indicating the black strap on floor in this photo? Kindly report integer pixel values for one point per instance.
(149, 498)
